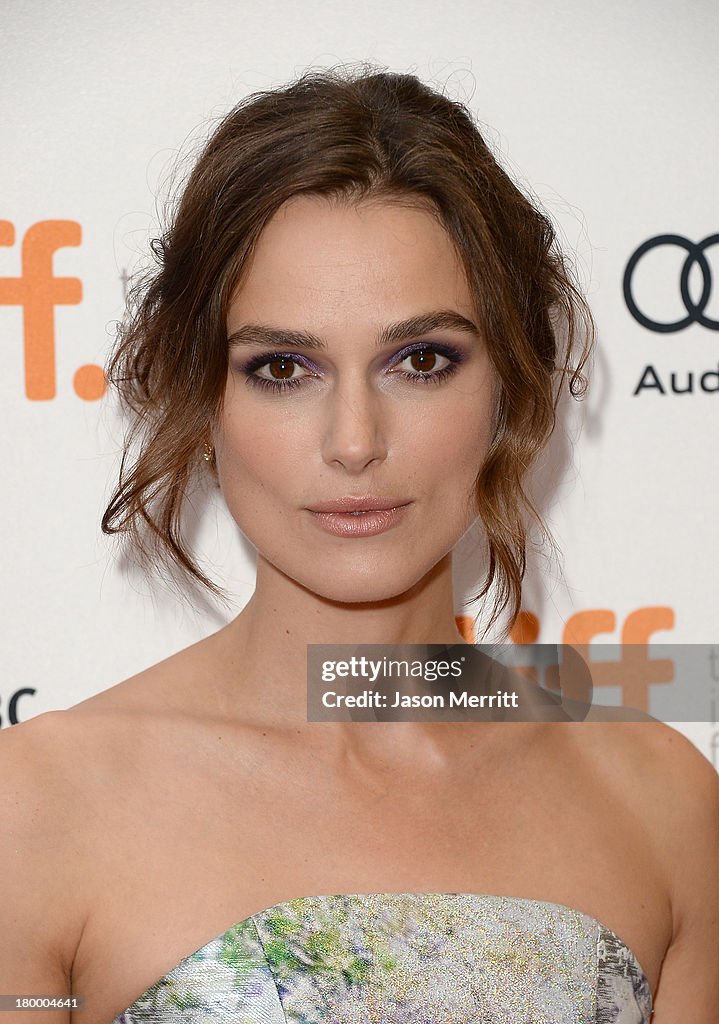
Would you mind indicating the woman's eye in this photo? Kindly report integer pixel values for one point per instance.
(429, 365)
(276, 372)
(424, 361)
(281, 368)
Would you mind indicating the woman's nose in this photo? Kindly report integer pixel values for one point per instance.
(354, 435)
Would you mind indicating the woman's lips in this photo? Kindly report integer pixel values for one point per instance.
(360, 503)
(360, 524)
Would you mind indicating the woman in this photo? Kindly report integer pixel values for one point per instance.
(361, 328)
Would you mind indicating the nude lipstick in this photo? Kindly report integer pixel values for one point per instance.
(359, 516)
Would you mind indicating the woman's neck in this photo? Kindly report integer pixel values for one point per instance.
(264, 649)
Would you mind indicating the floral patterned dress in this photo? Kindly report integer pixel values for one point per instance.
(404, 958)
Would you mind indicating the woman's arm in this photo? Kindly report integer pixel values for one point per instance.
(688, 801)
(39, 912)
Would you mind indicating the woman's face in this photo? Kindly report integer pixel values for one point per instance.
(407, 417)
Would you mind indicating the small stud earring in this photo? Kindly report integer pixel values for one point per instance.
(207, 454)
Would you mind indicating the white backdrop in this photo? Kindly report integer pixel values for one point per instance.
(606, 112)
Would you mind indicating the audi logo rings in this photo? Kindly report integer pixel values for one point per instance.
(695, 310)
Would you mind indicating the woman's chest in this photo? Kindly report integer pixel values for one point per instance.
(176, 872)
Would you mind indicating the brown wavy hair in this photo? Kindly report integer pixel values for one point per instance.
(347, 135)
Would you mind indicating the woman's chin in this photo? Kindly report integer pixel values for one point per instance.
(353, 588)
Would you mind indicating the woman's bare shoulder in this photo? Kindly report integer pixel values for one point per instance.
(682, 783)
(661, 754)
(60, 752)
(658, 761)
(41, 879)
(670, 786)
(59, 771)
(35, 753)
(59, 774)
(677, 791)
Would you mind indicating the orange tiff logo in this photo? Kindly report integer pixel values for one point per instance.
(38, 291)
(633, 673)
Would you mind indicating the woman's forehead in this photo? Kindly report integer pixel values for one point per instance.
(320, 252)
(364, 226)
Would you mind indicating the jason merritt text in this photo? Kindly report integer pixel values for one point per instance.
(461, 699)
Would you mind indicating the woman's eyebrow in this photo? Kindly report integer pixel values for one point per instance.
(404, 330)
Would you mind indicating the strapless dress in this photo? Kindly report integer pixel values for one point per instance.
(404, 958)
